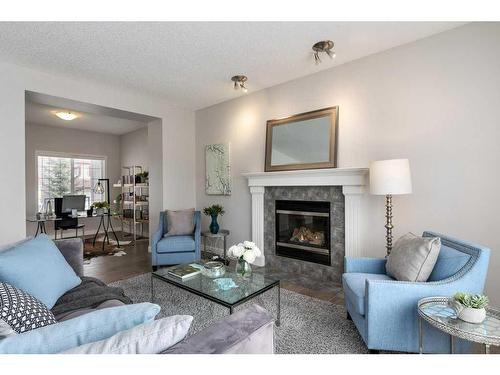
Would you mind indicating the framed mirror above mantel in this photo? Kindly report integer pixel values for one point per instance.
(303, 141)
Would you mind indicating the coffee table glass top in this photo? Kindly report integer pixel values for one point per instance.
(436, 311)
(208, 287)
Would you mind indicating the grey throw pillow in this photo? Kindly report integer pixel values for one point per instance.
(413, 258)
(148, 338)
(180, 222)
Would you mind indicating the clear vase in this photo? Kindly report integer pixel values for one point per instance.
(243, 268)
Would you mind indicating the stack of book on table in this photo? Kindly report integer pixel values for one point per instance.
(184, 271)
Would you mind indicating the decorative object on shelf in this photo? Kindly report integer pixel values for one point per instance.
(390, 177)
(142, 177)
(239, 82)
(218, 169)
(303, 141)
(213, 269)
(100, 207)
(325, 46)
(214, 211)
(245, 253)
(470, 308)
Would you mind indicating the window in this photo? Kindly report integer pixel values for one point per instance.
(59, 175)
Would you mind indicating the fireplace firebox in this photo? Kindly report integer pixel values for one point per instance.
(303, 230)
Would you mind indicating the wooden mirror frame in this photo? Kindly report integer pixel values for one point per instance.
(332, 112)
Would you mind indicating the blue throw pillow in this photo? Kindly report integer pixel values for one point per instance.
(38, 268)
(91, 327)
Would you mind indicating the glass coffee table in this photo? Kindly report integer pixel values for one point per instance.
(206, 287)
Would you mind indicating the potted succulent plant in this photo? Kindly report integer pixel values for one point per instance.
(469, 307)
(100, 207)
(214, 211)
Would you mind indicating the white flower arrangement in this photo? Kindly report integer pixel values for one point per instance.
(246, 251)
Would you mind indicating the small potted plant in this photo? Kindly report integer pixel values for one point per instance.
(245, 253)
(100, 207)
(144, 177)
(469, 307)
(214, 211)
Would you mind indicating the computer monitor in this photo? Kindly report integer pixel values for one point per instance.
(70, 202)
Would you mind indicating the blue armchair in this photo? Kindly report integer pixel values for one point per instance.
(175, 249)
(384, 310)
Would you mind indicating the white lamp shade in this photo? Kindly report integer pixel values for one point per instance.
(390, 177)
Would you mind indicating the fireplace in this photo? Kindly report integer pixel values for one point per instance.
(303, 230)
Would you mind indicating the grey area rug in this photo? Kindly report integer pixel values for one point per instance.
(308, 325)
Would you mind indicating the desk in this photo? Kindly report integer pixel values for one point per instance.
(105, 228)
(41, 223)
(102, 223)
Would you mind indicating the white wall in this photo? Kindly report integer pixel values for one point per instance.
(435, 101)
(154, 133)
(177, 137)
(72, 141)
(134, 148)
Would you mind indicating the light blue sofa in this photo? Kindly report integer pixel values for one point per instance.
(171, 250)
(385, 310)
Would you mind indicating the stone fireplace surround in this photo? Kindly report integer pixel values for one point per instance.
(315, 184)
(332, 194)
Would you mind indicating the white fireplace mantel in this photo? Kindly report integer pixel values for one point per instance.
(352, 181)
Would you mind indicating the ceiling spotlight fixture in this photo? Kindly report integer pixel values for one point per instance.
(325, 46)
(66, 115)
(239, 83)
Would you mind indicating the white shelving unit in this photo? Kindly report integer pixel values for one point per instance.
(135, 201)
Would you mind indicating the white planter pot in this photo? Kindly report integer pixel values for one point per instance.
(468, 314)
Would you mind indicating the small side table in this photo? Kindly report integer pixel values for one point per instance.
(223, 233)
(436, 312)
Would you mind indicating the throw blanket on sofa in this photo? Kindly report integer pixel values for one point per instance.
(89, 294)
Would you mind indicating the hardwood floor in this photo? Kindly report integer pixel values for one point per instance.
(113, 268)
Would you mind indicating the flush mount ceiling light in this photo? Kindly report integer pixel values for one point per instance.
(65, 115)
(325, 46)
(239, 82)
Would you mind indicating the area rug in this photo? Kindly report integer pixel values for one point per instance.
(91, 251)
(308, 325)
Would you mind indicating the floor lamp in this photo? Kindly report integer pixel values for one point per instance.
(390, 177)
(99, 189)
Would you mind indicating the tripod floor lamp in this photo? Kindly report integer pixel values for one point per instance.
(99, 189)
(390, 177)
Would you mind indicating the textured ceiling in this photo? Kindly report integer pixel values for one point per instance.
(192, 63)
